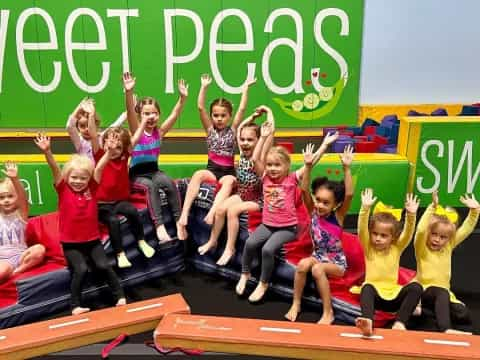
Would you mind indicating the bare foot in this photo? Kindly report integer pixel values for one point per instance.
(364, 325)
(293, 312)
(398, 325)
(242, 284)
(327, 318)
(162, 234)
(202, 250)
(258, 293)
(122, 301)
(226, 256)
(457, 332)
(210, 218)
(80, 310)
(181, 231)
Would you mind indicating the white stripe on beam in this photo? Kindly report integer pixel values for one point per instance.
(69, 323)
(280, 330)
(146, 307)
(447, 342)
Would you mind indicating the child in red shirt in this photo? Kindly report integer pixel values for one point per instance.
(76, 185)
(114, 191)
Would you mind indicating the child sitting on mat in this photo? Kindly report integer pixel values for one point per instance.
(383, 245)
(15, 256)
(221, 147)
(436, 238)
(328, 204)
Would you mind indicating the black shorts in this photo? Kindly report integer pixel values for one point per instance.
(220, 171)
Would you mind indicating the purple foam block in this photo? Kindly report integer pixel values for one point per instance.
(389, 149)
(339, 145)
(440, 112)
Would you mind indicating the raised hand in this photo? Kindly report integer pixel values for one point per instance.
(308, 154)
(43, 142)
(470, 201)
(111, 143)
(205, 80)
(128, 81)
(330, 138)
(367, 198)
(89, 106)
(347, 156)
(11, 169)
(435, 198)
(266, 129)
(182, 88)
(412, 203)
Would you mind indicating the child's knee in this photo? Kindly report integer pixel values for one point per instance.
(318, 270)
(416, 289)
(304, 266)
(6, 271)
(267, 252)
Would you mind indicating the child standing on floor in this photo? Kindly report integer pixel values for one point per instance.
(146, 141)
(221, 147)
(114, 190)
(15, 256)
(76, 185)
(279, 218)
(328, 207)
(383, 245)
(436, 238)
(253, 142)
(78, 128)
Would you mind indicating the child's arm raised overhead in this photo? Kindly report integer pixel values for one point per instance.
(327, 140)
(11, 171)
(305, 184)
(411, 206)
(71, 126)
(170, 120)
(205, 81)
(363, 216)
(268, 143)
(43, 143)
(346, 158)
(110, 143)
(470, 221)
(243, 104)
(266, 131)
(92, 127)
(421, 233)
(128, 85)
(138, 133)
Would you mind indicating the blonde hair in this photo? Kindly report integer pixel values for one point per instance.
(282, 153)
(442, 219)
(386, 218)
(78, 162)
(6, 183)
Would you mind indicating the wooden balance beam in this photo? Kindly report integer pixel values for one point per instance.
(69, 332)
(308, 341)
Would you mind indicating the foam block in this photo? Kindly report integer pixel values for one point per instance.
(339, 145)
(366, 147)
(389, 149)
(69, 332)
(415, 113)
(355, 129)
(308, 341)
(439, 112)
(370, 130)
(384, 130)
(380, 140)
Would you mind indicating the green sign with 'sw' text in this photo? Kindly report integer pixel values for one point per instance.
(304, 54)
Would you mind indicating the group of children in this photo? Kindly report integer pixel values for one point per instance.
(94, 187)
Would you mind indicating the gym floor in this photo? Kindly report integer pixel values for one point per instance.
(209, 295)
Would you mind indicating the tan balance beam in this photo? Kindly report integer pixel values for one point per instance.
(308, 341)
(26, 341)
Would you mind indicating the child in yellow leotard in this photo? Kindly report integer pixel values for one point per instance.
(436, 238)
(383, 245)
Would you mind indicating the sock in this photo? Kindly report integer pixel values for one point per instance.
(123, 261)
(147, 250)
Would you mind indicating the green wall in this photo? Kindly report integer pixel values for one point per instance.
(53, 53)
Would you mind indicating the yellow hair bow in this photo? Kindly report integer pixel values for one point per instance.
(381, 207)
(450, 213)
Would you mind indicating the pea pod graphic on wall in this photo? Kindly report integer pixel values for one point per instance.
(315, 105)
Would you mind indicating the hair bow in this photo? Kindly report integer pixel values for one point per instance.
(381, 207)
(450, 213)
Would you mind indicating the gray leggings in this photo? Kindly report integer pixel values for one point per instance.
(273, 238)
(151, 184)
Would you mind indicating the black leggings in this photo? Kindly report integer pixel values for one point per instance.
(107, 214)
(77, 255)
(404, 304)
(438, 300)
